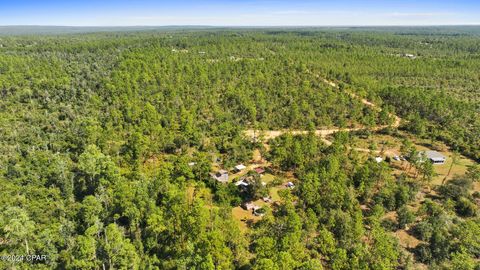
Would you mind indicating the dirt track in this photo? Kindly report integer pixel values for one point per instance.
(271, 134)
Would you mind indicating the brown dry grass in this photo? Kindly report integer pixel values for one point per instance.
(406, 240)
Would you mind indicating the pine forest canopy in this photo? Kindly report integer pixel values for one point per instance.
(108, 138)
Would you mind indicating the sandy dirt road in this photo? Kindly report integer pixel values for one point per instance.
(271, 134)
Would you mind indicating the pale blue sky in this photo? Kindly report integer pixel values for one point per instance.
(239, 13)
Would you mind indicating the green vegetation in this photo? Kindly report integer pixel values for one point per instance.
(107, 142)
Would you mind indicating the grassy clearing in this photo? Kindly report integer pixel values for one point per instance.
(458, 168)
(267, 178)
(406, 240)
(244, 218)
(390, 146)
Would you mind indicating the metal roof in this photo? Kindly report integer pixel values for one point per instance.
(433, 155)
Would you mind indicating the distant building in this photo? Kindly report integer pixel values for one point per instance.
(221, 176)
(434, 156)
(250, 206)
(260, 170)
(242, 183)
(240, 167)
(378, 159)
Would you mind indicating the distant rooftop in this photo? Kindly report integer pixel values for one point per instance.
(434, 156)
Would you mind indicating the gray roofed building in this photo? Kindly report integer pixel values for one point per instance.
(434, 156)
(240, 167)
(221, 176)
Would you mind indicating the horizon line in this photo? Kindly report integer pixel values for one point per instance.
(243, 26)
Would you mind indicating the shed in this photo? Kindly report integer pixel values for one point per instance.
(260, 170)
(240, 167)
(242, 183)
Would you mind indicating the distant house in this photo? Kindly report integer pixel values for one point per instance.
(434, 156)
(242, 183)
(191, 164)
(260, 170)
(221, 176)
(290, 185)
(250, 206)
(240, 168)
(378, 159)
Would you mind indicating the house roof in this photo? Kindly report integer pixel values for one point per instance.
(259, 170)
(221, 176)
(240, 167)
(433, 155)
(242, 183)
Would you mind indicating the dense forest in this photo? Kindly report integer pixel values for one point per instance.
(107, 142)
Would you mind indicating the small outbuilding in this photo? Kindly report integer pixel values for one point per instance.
(260, 170)
(242, 183)
(240, 167)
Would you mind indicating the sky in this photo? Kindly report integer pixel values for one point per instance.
(239, 12)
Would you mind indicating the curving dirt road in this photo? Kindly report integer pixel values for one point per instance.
(271, 134)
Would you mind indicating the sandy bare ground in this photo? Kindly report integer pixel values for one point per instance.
(271, 134)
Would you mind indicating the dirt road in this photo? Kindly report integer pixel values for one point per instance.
(271, 134)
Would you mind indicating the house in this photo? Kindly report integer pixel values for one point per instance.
(250, 206)
(240, 168)
(260, 170)
(434, 156)
(242, 183)
(191, 164)
(221, 176)
(290, 185)
(396, 158)
(378, 159)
